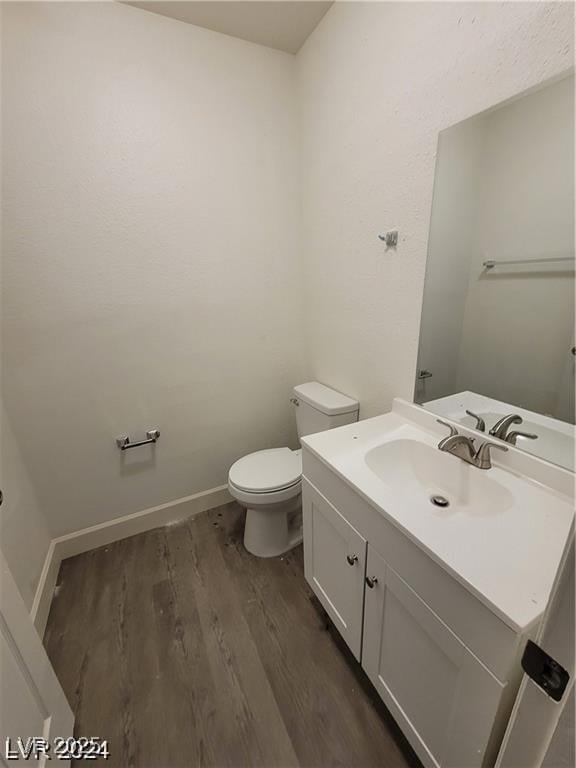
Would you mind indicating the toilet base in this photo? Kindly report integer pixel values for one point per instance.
(274, 529)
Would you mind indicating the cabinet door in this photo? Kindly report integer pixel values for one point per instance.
(443, 698)
(334, 564)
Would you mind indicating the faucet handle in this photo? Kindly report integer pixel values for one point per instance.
(453, 430)
(511, 437)
(480, 423)
(483, 459)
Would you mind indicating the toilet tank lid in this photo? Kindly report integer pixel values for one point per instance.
(325, 399)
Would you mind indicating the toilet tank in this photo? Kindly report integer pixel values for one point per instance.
(319, 408)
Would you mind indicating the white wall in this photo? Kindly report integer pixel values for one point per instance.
(151, 253)
(519, 321)
(151, 229)
(24, 533)
(378, 81)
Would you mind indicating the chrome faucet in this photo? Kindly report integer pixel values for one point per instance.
(463, 447)
(500, 429)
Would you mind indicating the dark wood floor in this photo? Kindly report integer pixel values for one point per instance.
(182, 649)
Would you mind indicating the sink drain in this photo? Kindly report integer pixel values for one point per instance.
(439, 501)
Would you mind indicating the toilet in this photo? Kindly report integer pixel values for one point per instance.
(269, 483)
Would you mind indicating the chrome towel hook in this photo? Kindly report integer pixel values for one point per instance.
(390, 238)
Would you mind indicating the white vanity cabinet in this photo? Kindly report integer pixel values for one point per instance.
(335, 564)
(436, 601)
(445, 666)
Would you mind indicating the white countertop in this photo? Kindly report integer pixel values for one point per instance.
(507, 559)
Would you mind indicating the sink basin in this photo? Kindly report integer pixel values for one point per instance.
(418, 472)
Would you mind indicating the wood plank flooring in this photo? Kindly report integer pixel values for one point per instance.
(184, 651)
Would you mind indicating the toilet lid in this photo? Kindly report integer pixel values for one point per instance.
(269, 470)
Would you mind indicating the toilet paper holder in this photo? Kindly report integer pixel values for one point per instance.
(123, 441)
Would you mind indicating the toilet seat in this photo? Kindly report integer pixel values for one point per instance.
(268, 499)
(267, 472)
(269, 484)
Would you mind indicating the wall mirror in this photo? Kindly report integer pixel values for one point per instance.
(497, 328)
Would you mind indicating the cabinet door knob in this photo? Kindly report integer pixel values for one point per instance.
(371, 582)
(352, 559)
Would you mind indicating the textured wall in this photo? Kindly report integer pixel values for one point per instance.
(24, 532)
(378, 81)
(152, 272)
(151, 253)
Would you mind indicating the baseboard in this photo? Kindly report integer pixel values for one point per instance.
(105, 533)
(138, 522)
(46, 585)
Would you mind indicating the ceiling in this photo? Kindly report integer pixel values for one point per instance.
(281, 25)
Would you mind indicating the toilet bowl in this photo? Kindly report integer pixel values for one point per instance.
(268, 483)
